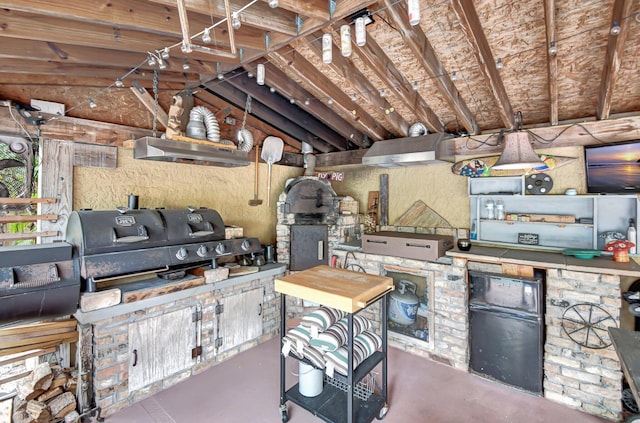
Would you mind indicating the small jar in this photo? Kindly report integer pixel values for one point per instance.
(490, 211)
(499, 210)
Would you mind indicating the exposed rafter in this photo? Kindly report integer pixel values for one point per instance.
(552, 59)
(377, 60)
(282, 84)
(361, 85)
(323, 88)
(621, 9)
(417, 41)
(472, 28)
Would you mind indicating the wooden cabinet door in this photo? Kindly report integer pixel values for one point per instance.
(159, 347)
(241, 320)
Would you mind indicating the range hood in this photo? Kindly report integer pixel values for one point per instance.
(411, 151)
(149, 148)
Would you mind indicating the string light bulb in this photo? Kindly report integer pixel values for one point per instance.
(273, 4)
(415, 86)
(185, 65)
(250, 74)
(260, 74)
(162, 64)
(454, 76)
(235, 21)
(272, 90)
(553, 50)
(206, 36)
(361, 32)
(185, 47)
(119, 83)
(354, 96)
(382, 93)
(151, 60)
(307, 102)
(165, 53)
(92, 103)
(413, 10)
(292, 100)
(327, 48)
(499, 64)
(615, 28)
(345, 40)
(330, 100)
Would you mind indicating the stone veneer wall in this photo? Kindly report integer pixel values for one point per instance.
(110, 343)
(583, 378)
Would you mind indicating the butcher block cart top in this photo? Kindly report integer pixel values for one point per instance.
(350, 292)
(345, 290)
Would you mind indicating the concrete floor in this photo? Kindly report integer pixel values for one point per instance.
(246, 389)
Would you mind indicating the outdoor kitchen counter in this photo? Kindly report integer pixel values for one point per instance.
(268, 270)
(547, 260)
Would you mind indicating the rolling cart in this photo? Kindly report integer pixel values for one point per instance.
(350, 292)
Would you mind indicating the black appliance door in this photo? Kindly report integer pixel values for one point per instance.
(507, 347)
(309, 245)
(520, 295)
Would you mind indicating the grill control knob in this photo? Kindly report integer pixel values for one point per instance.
(202, 251)
(245, 245)
(221, 249)
(181, 254)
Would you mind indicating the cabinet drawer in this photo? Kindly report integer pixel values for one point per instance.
(407, 245)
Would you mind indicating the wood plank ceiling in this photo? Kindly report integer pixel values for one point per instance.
(443, 72)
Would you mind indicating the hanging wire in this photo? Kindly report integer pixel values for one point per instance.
(155, 101)
(247, 110)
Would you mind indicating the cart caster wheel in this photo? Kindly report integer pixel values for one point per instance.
(284, 413)
(383, 412)
(635, 418)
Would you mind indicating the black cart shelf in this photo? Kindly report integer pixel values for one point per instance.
(350, 292)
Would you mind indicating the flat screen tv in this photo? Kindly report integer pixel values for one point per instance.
(613, 168)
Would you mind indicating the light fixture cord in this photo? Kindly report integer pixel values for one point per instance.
(155, 102)
(247, 109)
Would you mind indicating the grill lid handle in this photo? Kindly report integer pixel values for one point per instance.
(206, 232)
(142, 235)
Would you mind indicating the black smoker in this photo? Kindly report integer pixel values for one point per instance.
(311, 205)
(125, 242)
(38, 282)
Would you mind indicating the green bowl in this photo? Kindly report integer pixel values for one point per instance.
(582, 254)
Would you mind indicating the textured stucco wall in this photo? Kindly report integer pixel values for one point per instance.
(228, 190)
(174, 185)
(439, 188)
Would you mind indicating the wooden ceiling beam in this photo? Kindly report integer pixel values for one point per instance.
(280, 20)
(285, 85)
(343, 9)
(318, 9)
(360, 84)
(563, 135)
(236, 97)
(471, 27)
(73, 54)
(613, 58)
(417, 42)
(113, 35)
(552, 59)
(377, 60)
(18, 66)
(281, 105)
(323, 88)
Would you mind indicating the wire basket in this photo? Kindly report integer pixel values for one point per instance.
(362, 390)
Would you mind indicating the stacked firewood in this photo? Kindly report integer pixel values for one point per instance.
(47, 395)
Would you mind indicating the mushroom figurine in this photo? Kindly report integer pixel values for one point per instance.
(620, 249)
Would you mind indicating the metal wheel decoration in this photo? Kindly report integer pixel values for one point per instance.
(586, 324)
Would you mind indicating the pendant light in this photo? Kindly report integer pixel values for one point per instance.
(518, 153)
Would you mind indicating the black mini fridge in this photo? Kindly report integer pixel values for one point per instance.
(507, 329)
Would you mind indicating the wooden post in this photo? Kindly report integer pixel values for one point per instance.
(384, 199)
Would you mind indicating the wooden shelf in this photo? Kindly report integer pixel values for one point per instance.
(27, 218)
(23, 235)
(24, 201)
